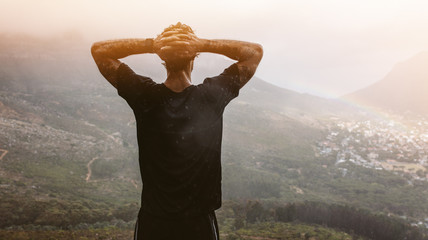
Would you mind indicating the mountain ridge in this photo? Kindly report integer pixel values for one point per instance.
(402, 89)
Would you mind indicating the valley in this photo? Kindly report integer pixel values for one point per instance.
(69, 158)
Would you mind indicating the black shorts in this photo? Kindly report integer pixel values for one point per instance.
(150, 227)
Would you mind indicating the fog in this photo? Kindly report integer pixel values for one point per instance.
(293, 164)
(326, 48)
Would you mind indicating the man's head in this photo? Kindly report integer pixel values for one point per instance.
(177, 59)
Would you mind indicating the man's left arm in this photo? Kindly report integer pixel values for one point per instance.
(247, 54)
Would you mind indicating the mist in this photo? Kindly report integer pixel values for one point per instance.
(326, 49)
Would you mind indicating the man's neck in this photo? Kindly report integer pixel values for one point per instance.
(178, 81)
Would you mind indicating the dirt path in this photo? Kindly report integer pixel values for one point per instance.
(133, 182)
(4, 152)
(88, 176)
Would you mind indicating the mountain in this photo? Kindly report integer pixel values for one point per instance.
(403, 89)
(68, 151)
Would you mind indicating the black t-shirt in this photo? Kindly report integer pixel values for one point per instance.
(179, 139)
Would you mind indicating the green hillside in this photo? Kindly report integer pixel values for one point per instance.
(69, 158)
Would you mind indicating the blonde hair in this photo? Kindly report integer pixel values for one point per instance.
(179, 26)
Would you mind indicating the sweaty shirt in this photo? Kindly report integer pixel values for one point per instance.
(179, 141)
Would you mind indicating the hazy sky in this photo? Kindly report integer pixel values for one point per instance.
(327, 47)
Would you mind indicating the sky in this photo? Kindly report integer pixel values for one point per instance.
(326, 48)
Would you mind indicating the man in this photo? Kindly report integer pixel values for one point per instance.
(179, 127)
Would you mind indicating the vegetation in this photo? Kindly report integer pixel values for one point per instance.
(111, 233)
(289, 231)
(255, 218)
(54, 121)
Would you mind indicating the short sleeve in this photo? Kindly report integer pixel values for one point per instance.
(225, 86)
(131, 86)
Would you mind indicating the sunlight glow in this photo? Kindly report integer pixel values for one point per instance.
(327, 48)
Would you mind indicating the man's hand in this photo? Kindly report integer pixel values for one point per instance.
(176, 45)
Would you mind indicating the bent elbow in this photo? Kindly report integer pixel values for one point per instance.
(258, 51)
(95, 50)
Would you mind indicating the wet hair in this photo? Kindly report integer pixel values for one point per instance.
(178, 64)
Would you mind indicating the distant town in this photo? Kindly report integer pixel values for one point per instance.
(383, 144)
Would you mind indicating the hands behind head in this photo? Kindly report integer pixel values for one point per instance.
(177, 45)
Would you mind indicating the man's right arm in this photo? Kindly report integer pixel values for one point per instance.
(107, 54)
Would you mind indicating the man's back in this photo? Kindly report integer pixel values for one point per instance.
(179, 137)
